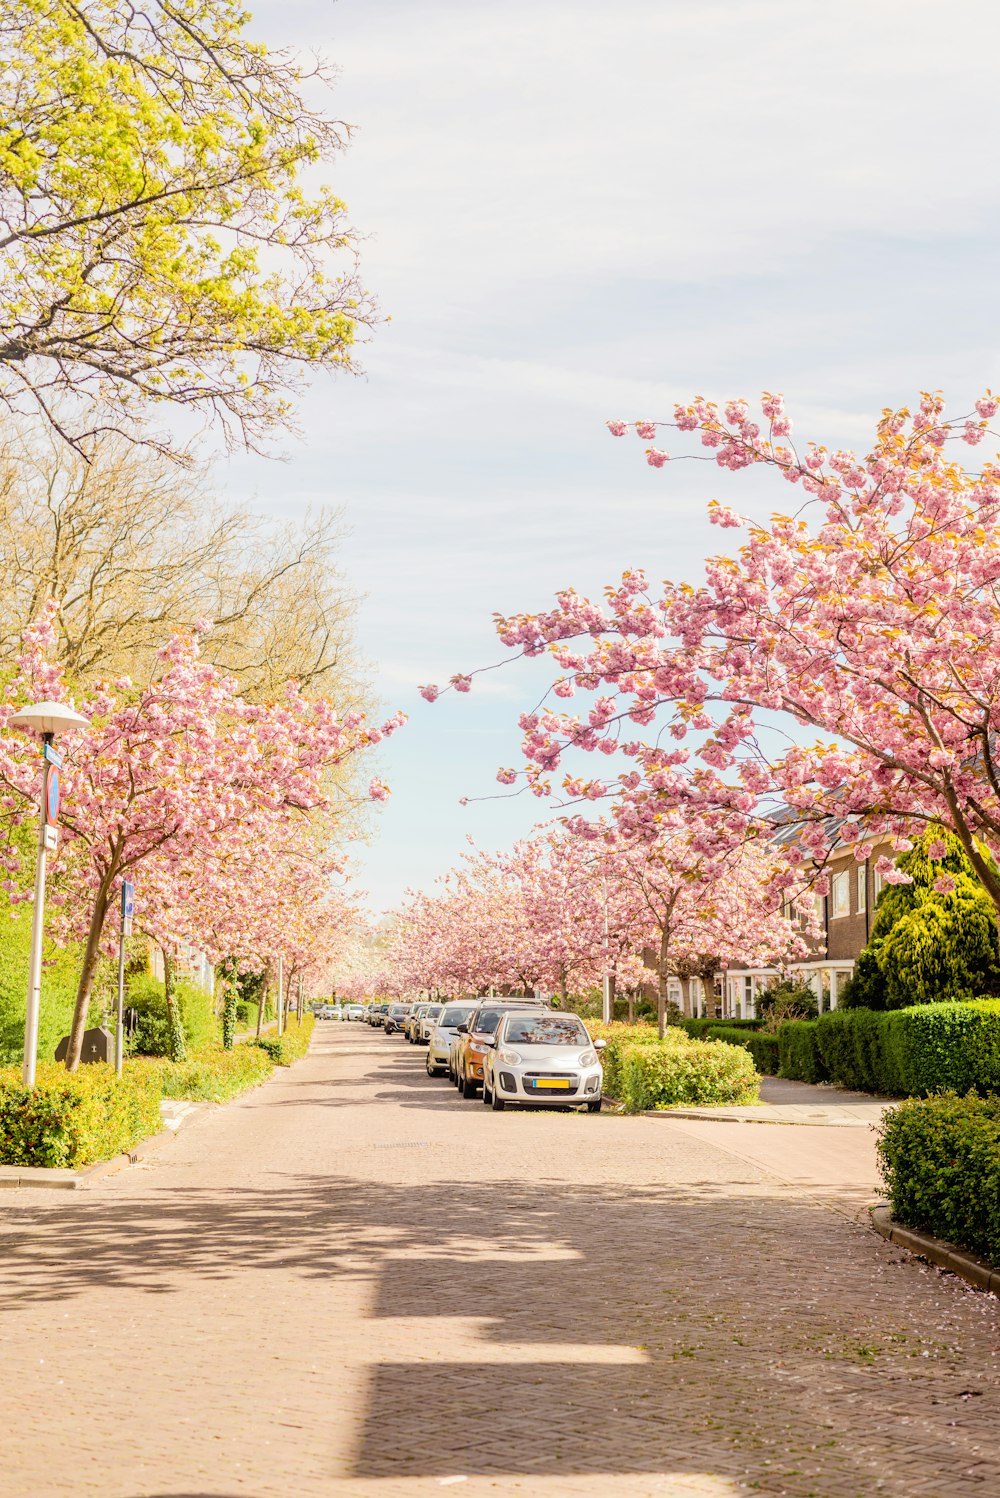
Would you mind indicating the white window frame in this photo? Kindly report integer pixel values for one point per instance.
(862, 888)
(840, 894)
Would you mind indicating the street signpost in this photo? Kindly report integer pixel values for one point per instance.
(124, 930)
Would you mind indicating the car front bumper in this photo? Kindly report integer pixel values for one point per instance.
(547, 1089)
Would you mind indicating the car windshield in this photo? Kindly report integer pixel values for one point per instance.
(546, 1029)
(487, 1020)
(454, 1016)
(432, 1011)
(399, 1009)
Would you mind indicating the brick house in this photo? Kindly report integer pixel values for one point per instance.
(847, 913)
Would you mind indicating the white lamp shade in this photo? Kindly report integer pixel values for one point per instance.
(48, 717)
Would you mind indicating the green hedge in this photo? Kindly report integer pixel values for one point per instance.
(71, 1119)
(952, 1047)
(651, 1073)
(940, 1160)
(698, 1028)
(77, 1118)
(799, 1058)
(762, 1047)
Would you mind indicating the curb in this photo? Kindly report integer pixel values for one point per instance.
(787, 1123)
(969, 1267)
(54, 1178)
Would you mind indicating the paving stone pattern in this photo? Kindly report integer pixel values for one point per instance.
(354, 1284)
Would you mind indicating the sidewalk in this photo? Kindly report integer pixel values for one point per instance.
(799, 1103)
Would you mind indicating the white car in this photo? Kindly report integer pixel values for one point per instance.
(546, 1060)
(354, 1011)
(427, 1022)
(443, 1032)
(328, 1011)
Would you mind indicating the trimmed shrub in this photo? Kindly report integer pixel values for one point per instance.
(693, 1072)
(698, 1028)
(762, 1047)
(619, 1037)
(914, 1052)
(940, 1160)
(798, 1052)
(71, 1119)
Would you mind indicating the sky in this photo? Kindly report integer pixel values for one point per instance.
(576, 211)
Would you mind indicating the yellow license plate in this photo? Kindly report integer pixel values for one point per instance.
(552, 1082)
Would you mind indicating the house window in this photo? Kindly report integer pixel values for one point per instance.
(862, 888)
(840, 890)
(878, 885)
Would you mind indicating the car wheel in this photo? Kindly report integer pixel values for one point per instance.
(471, 1088)
(497, 1104)
(487, 1095)
(460, 1084)
(432, 1071)
(594, 1107)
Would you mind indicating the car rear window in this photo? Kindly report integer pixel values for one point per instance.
(455, 1016)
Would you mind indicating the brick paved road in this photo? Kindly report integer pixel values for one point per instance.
(352, 1284)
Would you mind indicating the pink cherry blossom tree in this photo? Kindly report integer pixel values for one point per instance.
(180, 775)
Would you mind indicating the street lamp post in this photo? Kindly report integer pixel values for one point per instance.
(48, 719)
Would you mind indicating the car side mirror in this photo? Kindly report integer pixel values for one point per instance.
(599, 1045)
(463, 1029)
(488, 1041)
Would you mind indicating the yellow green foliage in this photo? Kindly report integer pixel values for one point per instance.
(73, 1119)
(159, 241)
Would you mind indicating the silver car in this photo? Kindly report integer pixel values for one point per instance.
(443, 1032)
(543, 1060)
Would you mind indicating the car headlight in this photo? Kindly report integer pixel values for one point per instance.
(588, 1058)
(510, 1057)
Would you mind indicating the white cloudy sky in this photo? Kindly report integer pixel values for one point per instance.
(580, 210)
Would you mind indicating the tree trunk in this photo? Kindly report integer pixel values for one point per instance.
(85, 986)
(612, 993)
(662, 975)
(631, 1006)
(178, 1048)
(229, 1015)
(262, 1006)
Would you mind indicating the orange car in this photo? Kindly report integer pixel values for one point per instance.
(468, 1054)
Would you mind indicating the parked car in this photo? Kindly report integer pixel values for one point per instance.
(546, 1059)
(395, 1019)
(468, 1052)
(443, 1032)
(427, 1021)
(412, 1021)
(377, 1014)
(354, 1012)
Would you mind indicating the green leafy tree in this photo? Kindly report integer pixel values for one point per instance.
(157, 240)
(934, 938)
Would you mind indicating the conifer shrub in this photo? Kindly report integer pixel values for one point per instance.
(926, 945)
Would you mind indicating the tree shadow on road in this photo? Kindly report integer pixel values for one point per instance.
(698, 1327)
